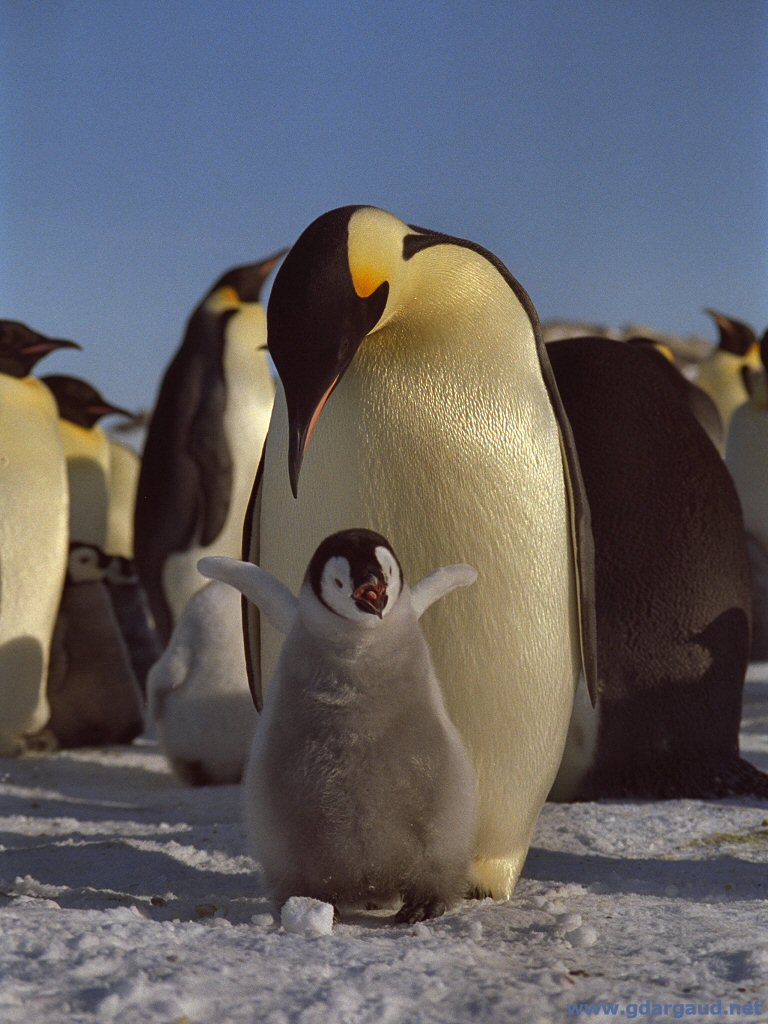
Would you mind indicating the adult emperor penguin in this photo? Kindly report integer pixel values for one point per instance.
(204, 442)
(358, 786)
(33, 531)
(747, 459)
(89, 459)
(441, 428)
(727, 371)
(673, 598)
(701, 404)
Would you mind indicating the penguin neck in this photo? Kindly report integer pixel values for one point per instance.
(345, 641)
(453, 301)
(246, 366)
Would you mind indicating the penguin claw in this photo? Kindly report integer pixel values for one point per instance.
(414, 911)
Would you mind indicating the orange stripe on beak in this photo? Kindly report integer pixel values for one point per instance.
(316, 413)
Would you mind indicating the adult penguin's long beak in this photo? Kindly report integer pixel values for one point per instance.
(302, 424)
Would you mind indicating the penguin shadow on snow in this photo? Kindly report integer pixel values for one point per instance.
(721, 878)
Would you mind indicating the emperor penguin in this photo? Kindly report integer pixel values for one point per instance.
(747, 459)
(204, 442)
(90, 636)
(92, 690)
(727, 371)
(414, 362)
(89, 458)
(701, 404)
(673, 592)
(198, 693)
(358, 787)
(33, 531)
(129, 601)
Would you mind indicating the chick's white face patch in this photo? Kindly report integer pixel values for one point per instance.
(342, 594)
(391, 574)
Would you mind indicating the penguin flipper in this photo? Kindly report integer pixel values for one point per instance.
(263, 589)
(437, 584)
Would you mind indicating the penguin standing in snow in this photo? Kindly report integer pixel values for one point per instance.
(204, 442)
(198, 693)
(358, 787)
(747, 459)
(34, 507)
(416, 399)
(129, 602)
(726, 374)
(93, 690)
(673, 594)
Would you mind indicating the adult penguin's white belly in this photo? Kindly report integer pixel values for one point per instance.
(451, 449)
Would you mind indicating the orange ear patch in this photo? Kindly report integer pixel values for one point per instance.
(365, 280)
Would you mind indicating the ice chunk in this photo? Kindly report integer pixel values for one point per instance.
(304, 916)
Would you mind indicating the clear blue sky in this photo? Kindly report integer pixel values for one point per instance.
(614, 153)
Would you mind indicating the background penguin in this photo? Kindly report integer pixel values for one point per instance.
(726, 373)
(92, 691)
(358, 786)
(442, 427)
(33, 531)
(89, 454)
(204, 442)
(700, 403)
(673, 608)
(198, 691)
(747, 459)
(129, 601)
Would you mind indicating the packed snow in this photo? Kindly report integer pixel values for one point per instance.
(128, 897)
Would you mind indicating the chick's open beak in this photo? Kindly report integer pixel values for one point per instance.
(371, 596)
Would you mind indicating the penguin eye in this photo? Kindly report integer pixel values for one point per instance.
(339, 584)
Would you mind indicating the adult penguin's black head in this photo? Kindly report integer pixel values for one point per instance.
(325, 299)
(21, 347)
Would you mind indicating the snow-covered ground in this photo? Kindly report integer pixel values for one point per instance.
(126, 897)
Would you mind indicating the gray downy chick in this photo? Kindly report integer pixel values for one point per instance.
(358, 788)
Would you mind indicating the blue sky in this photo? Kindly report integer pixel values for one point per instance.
(614, 154)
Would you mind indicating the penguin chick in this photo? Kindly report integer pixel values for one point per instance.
(358, 787)
(92, 691)
(198, 692)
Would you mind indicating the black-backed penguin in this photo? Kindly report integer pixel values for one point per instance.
(33, 531)
(88, 452)
(198, 694)
(358, 787)
(727, 372)
(92, 690)
(701, 404)
(673, 606)
(204, 442)
(414, 361)
(747, 459)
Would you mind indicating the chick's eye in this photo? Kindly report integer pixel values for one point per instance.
(339, 584)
